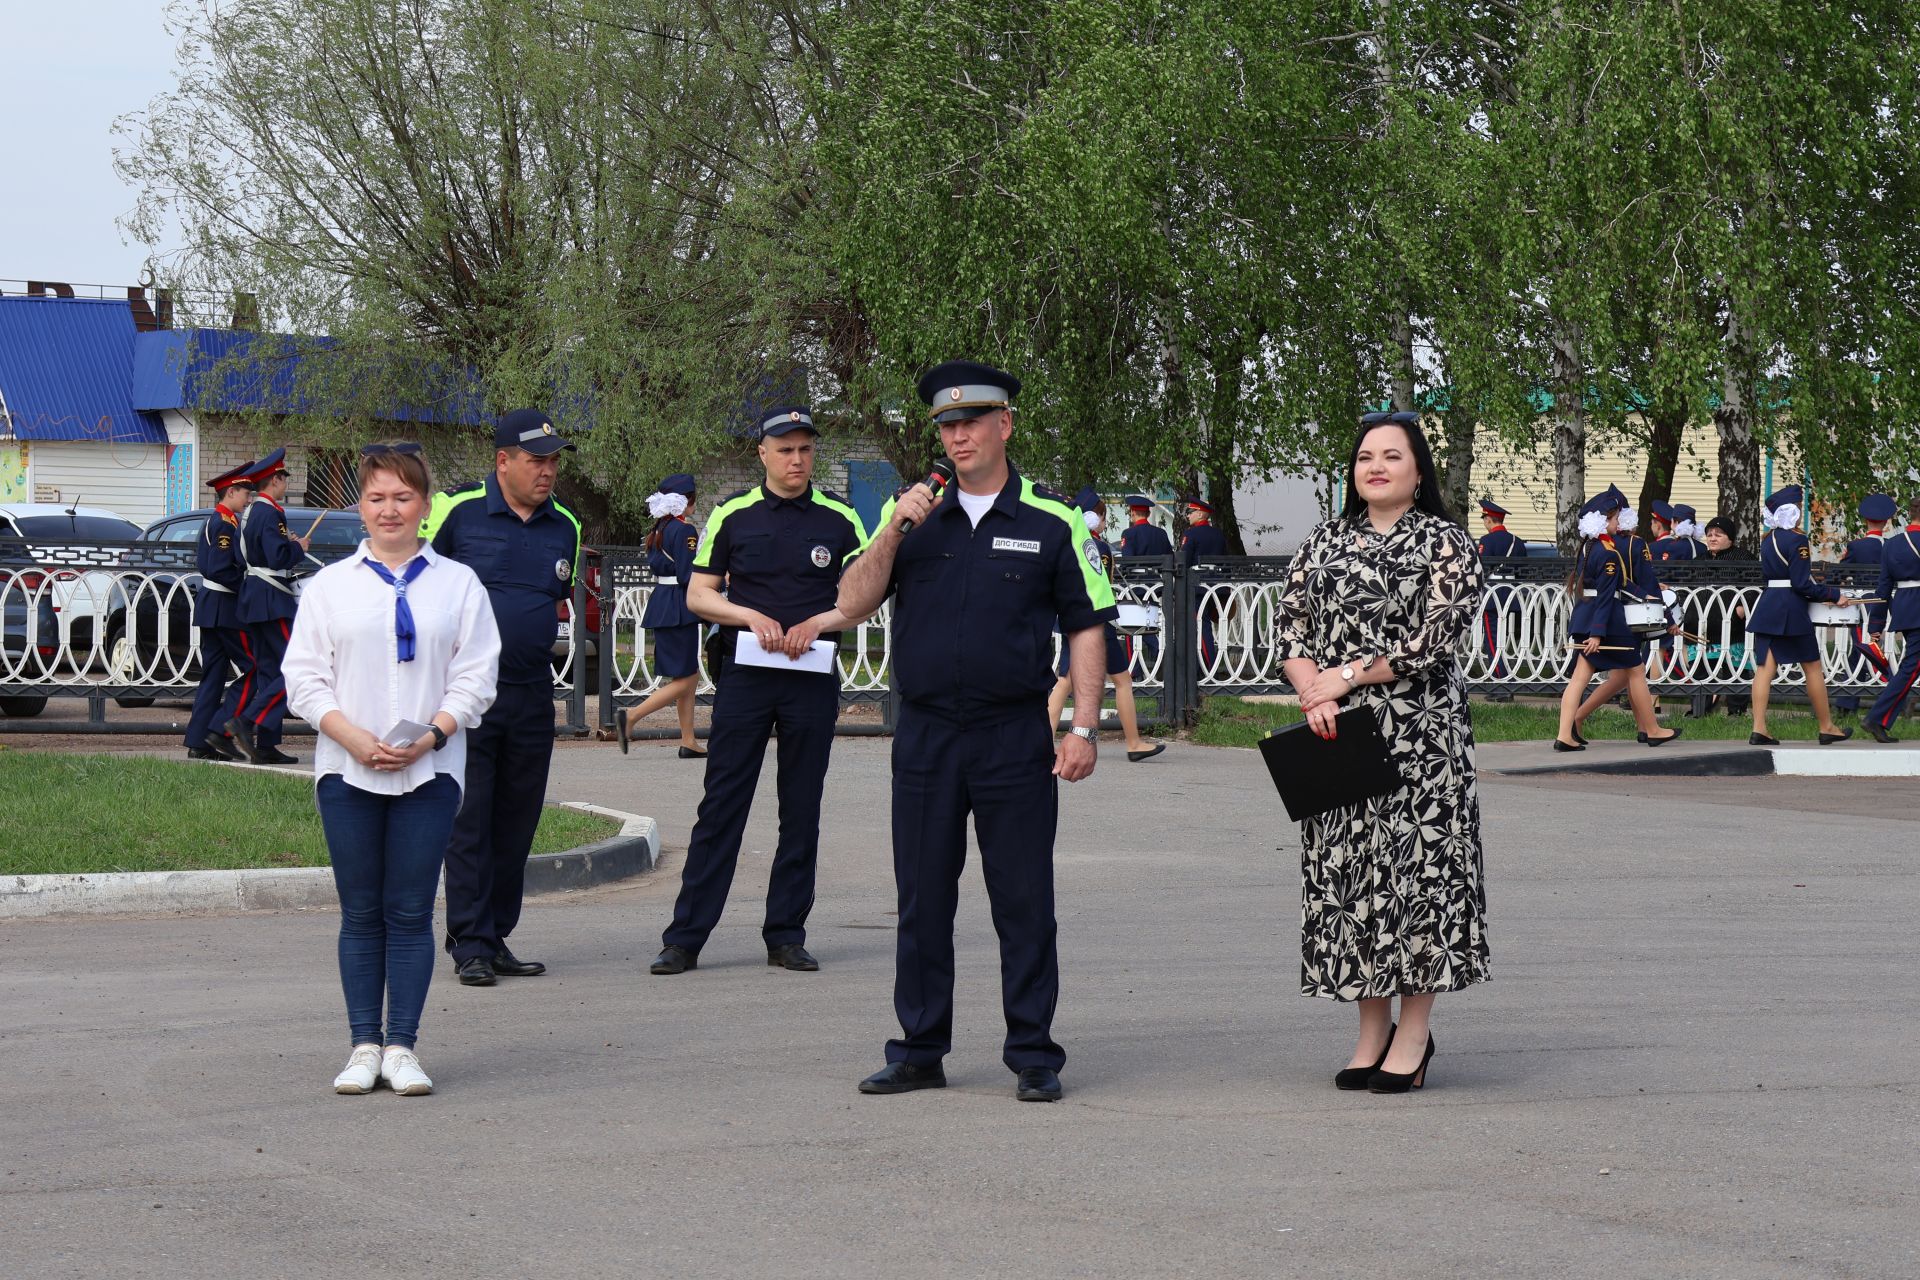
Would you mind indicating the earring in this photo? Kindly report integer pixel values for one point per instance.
(1416, 491)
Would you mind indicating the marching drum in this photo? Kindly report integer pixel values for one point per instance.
(1137, 619)
(1646, 617)
(1844, 614)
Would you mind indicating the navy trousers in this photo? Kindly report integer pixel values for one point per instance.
(1002, 774)
(1867, 663)
(1886, 707)
(747, 704)
(508, 754)
(266, 704)
(221, 693)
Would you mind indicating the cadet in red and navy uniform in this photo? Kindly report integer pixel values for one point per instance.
(1779, 631)
(978, 581)
(1900, 587)
(1142, 537)
(1202, 541)
(216, 611)
(1869, 635)
(267, 606)
(1496, 543)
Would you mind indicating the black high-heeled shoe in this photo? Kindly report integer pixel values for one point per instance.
(1357, 1077)
(1391, 1082)
(1562, 746)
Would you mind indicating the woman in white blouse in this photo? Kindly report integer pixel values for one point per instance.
(393, 653)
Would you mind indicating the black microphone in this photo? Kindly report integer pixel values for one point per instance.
(937, 479)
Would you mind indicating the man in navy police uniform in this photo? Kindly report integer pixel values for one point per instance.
(267, 606)
(525, 548)
(780, 546)
(216, 611)
(1868, 649)
(1900, 587)
(978, 577)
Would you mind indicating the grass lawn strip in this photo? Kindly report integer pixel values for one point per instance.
(1229, 722)
(88, 814)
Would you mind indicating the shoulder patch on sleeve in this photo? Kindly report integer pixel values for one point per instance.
(1806, 553)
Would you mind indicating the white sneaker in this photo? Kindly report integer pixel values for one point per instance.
(401, 1070)
(362, 1071)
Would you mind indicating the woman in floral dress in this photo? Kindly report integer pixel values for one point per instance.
(1378, 604)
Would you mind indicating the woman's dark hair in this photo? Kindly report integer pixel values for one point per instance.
(1427, 496)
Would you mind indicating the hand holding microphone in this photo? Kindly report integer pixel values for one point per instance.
(912, 508)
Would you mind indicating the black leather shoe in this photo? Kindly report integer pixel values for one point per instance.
(475, 972)
(243, 740)
(1761, 740)
(620, 727)
(206, 753)
(509, 965)
(1828, 739)
(1578, 736)
(792, 956)
(1360, 1077)
(1135, 757)
(674, 959)
(1880, 735)
(688, 753)
(1567, 746)
(1651, 741)
(1038, 1084)
(904, 1077)
(274, 755)
(1391, 1082)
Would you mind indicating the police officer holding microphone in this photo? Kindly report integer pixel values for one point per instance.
(978, 575)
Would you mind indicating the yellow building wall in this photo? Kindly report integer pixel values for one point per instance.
(1523, 482)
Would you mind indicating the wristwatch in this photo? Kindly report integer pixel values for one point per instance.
(1346, 673)
(439, 736)
(1082, 731)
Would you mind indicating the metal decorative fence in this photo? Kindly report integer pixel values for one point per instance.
(115, 622)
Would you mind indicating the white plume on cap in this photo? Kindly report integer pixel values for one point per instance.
(666, 504)
(1592, 524)
(1784, 516)
(1629, 519)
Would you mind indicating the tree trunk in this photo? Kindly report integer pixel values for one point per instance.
(1400, 355)
(1569, 436)
(1739, 451)
(1220, 494)
(1456, 461)
(1664, 429)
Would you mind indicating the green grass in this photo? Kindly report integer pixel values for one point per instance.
(86, 814)
(1229, 722)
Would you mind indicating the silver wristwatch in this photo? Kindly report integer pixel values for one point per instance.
(1082, 731)
(1346, 673)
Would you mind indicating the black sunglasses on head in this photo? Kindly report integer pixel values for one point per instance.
(375, 450)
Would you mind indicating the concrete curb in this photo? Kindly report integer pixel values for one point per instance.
(634, 850)
(1744, 762)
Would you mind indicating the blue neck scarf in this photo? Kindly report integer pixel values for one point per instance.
(402, 613)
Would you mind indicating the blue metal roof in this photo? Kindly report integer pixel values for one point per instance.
(66, 371)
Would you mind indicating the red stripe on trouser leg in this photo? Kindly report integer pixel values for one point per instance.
(272, 702)
(1899, 700)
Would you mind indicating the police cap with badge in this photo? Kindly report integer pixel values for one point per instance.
(530, 430)
(792, 417)
(959, 390)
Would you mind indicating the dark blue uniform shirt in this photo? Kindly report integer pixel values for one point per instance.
(1145, 539)
(271, 555)
(1900, 562)
(1203, 541)
(1672, 548)
(222, 571)
(673, 558)
(974, 608)
(1609, 572)
(1496, 543)
(781, 556)
(527, 566)
(1866, 551)
(1786, 556)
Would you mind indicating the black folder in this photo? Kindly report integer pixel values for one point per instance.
(1314, 775)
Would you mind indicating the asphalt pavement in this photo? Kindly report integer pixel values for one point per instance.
(1691, 1062)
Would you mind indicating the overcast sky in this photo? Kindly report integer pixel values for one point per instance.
(70, 69)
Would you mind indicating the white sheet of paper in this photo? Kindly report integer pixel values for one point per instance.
(405, 734)
(748, 653)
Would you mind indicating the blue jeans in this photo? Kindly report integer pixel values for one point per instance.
(386, 864)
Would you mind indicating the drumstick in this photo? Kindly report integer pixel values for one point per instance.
(1606, 648)
(316, 524)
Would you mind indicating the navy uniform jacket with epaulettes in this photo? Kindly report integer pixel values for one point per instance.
(1867, 551)
(222, 572)
(1498, 543)
(1786, 556)
(975, 606)
(1202, 542)
(1672, 548)
(1145, 539)
(1645, 584)
(527, 566)
(1900, 563)
(272, 555)
(673, 558)
(1607, 570)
